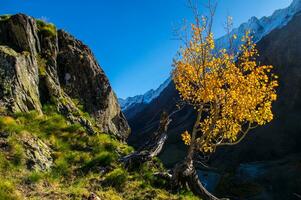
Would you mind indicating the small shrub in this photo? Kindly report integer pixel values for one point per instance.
(49, 109)
(78, 157)
(103, 142)
(101, 160)
(42, 63)
(62, 168)
(34, 177)
(4, 17)
(5, 165)
(125, 149)
(74, 128)
(46, 29)
(53, 124)
(188, 195)
(9, 124)
(110, 194)
(104, 158)
(8, 190)
(117, 178)
(16, 151)
(58, 144)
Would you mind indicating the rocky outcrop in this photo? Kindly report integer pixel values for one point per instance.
(79, 73)
(38, 154)
(19, 81)
(4, 146)
(20, 32)
(19, 70)
(40, 65)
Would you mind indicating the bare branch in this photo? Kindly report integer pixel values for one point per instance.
(244, 133)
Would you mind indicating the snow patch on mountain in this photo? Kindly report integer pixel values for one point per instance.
(145, 98)
(258, 27)
(261, 27)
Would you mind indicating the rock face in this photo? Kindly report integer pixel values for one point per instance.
(40, 65)
(19, 76)
(82, 78)
(38, 154)
(20, 33)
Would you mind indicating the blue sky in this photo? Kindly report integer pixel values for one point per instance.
(132, 39)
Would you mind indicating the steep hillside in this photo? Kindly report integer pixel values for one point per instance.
(40, 65)
(272, 144)
(62, 131)
(46, 157)
(279, 48)
(259, 27)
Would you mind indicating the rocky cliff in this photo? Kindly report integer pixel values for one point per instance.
(61, 128)
(40, 65)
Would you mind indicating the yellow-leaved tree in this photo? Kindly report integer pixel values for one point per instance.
(230, 92)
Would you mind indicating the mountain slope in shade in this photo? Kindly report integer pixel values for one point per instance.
(273, 150)
(260, 28)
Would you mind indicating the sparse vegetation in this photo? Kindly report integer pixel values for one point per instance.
(82, 163)
(42, 65)
(8, 190)
(46, 29)
(116, 178)
(4, 17)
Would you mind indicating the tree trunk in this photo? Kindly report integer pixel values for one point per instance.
(151, 148)
(185, 175)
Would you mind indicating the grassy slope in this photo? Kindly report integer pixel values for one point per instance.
(83, 164)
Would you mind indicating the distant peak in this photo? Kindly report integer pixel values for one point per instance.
(253, 19)
(261, 27)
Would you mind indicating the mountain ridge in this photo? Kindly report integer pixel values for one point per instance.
(268, 154)
(261, 27)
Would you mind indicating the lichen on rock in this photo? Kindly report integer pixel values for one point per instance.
(18, 81)
(38, 154)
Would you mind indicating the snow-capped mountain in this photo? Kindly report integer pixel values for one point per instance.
(145, 98)
(259, 27)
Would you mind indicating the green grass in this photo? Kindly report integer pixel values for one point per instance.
(34, 177)
(8, 190)
(116, 178)
(4, 17)
(82, 163)
(46, 29)
(16, 151)
(42, 65)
